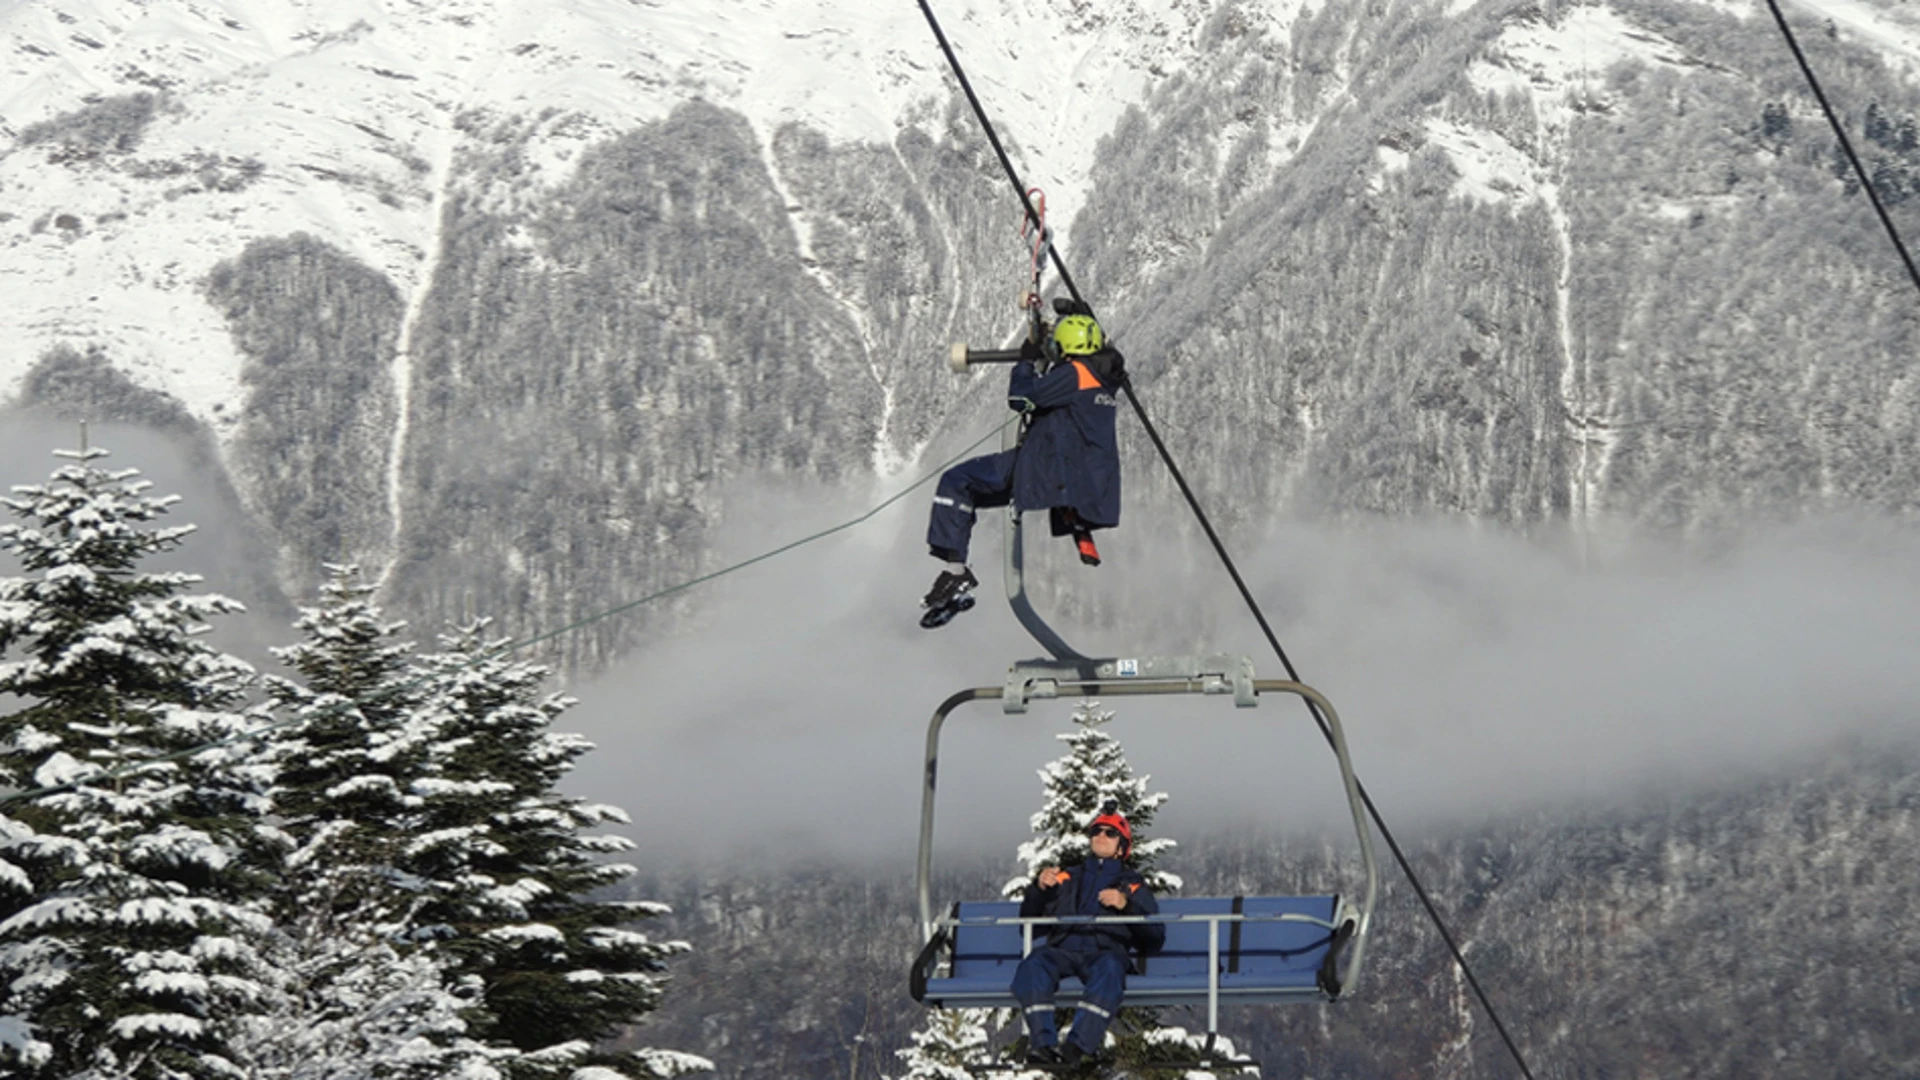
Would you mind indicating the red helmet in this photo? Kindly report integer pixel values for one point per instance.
(1112, 818)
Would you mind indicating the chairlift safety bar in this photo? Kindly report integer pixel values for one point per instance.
(1027, 923)
(1113, 920)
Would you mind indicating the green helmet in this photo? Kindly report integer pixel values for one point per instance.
(1078, 335)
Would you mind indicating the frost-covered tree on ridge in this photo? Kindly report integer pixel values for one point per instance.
(130, 867)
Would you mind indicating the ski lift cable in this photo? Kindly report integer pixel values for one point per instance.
(335, 708)
(1846, 144)
(1219, 547)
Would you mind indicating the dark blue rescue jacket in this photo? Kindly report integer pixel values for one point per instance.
(1079, 894)
(1070, 458)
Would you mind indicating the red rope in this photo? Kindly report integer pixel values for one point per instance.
(1034, 229)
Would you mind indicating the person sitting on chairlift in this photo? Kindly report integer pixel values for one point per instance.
(1099, 955)
(1068, 462)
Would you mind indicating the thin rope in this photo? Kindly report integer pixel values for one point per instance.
(1219, 547)
(340, 707)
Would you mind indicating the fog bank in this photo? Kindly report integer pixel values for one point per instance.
(1477, 673)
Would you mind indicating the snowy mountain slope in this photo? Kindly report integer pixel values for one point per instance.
(342, 116)
(159, 156)
(1887, 29)
(1535, 240)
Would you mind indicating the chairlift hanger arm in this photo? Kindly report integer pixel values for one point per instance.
(1016, 577)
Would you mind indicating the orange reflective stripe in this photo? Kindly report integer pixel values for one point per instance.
(1087, 379)
(1133, 888)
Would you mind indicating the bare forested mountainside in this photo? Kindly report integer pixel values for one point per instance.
(1545, 265)
(1764, 929)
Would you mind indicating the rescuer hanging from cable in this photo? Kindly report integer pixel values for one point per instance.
(1067, 461)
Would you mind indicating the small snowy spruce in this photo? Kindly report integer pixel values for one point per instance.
(1073, 790)
(948, 1042)
(130, 921)
(1075, 787)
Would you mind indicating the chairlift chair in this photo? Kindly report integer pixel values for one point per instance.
(1218, 950)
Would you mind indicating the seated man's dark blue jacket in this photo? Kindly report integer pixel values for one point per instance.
(1079, 894)
(1070, 458)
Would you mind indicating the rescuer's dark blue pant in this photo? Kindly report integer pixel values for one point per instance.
(1104, 974)
(974, 484)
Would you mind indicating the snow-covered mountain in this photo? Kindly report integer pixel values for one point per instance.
(343, 120)
(500, 295)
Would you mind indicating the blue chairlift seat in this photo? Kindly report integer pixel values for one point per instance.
(1261, 958)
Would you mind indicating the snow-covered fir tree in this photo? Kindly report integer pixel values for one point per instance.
(130, 858)
(422, 795)
(362, 993)
(349, 749)
(562, 972)
(1075, 787)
